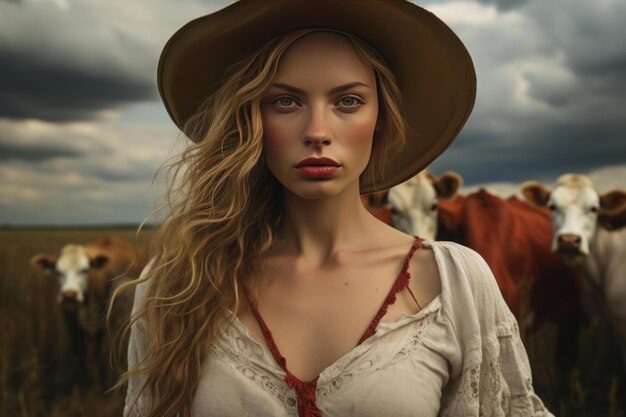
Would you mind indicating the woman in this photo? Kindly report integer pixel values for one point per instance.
(272, 290)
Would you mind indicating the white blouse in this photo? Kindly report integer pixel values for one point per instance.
(461, 355)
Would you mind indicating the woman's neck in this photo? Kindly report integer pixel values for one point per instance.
(317, 229)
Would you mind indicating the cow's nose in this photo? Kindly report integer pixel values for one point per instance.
(569, 242)
(70, 295)
(569, 238)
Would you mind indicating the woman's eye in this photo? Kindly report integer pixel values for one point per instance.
(285, 101)
(349, 101)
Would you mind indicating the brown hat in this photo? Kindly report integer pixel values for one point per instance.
(432, 66)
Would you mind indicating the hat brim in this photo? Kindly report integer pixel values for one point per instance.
(433, 68)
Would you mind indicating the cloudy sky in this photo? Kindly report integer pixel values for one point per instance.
(82, 130)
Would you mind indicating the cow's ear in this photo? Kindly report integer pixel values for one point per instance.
(44, 262)
(612, 214)
(99, 261)
(613, 200)
(448, 184)
(535, 193)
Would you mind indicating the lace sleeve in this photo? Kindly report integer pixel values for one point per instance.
(495, 377)
(500, 384)
(137, 402)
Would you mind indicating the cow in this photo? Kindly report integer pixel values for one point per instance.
(587, 230)
(87, 276)
(412, 205)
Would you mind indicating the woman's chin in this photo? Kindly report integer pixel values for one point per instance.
(316, 190)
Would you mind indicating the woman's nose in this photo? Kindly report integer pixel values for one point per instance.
(318, 131)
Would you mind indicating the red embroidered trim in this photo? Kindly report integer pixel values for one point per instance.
(306, 391)
(401, 282)
(307, 395)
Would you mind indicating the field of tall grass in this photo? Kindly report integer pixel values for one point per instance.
(37, 368)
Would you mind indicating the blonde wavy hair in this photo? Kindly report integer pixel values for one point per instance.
(224, 209)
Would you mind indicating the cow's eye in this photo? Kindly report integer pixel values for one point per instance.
(552, 206)
(84, 271)
(593, 209)
(393, 210)
(433, 207)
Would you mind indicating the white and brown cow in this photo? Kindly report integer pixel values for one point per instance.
(413, 204)
(588, 231)
(87, 276)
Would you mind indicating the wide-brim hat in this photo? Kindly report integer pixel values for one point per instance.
(433, 68)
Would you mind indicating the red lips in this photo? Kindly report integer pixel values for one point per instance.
(317, 167)
(317, 161)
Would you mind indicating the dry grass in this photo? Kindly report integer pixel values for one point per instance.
(36, 364)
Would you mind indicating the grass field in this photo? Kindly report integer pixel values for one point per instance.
(36, 363)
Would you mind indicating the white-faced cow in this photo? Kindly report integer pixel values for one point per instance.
(87, 276)
(412, 205)
(586, 231)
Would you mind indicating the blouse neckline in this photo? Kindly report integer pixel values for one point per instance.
(382, 328)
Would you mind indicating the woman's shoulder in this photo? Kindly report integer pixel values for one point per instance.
(469, 288)
(453, 248)
(463, 264)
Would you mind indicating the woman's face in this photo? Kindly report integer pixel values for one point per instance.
(322, 104)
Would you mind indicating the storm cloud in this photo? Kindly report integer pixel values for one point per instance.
(17, 152)
(77, 60)
(31, 87)
(551, 89)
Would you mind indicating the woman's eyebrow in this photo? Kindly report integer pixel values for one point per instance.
(333, 90)
(348, 86)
